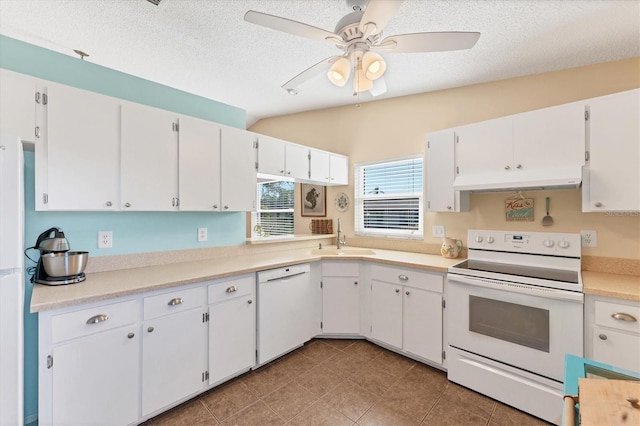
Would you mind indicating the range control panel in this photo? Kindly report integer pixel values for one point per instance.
(551, 243)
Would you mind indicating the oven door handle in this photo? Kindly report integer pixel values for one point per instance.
(548, 293)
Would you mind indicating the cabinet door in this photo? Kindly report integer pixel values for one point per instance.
(422, 318)
(340, 305)
(83, 138)
(173, 358)
(149, 158)
(440, 169)
(199, 164)
(614, 153)
(18, 105)
(297, 161)
(238, 170)
(549, 138)
(319, 166)
(232, 338)
(485, 147)
(271, 155)
(386, 313)
(339, 169)
(616, 348)
(95, 379)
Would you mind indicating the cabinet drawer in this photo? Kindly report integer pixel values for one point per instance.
(172, 302)
(616, 348)
(93, 320)
(340, 269)
(227, 290)
(628, 316)
(408, 277)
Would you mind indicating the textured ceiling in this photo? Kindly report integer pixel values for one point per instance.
(205, 47)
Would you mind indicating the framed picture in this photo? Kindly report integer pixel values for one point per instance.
(314, 200)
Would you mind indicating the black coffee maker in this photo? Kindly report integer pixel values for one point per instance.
(57, 265)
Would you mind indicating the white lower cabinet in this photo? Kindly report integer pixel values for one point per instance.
(174, 347)
(406, 311)
(232, 328)
(340, 298)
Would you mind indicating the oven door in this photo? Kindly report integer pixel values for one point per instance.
(527, 327)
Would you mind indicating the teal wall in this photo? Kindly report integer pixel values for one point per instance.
(133, 232)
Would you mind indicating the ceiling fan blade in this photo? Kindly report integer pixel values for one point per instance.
(309, 73)
(379, 12)
(288, 26)
(379, 87)
(429, 42)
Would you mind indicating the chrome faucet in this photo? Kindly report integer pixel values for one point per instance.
(340, 241)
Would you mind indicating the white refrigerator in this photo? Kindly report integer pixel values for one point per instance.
(11, 281)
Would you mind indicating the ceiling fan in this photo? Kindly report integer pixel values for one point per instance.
(359, 36)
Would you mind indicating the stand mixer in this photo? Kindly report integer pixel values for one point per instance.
(57, 265)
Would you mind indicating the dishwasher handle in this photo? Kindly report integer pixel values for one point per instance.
(286, 276)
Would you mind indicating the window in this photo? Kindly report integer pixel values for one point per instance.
(274, 215)
(388, 198)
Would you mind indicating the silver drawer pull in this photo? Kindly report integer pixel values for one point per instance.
(397, 290)
(621, 316)
(98, 318)
(175, 301)
(602, 336)
(231, 289)
(403, 277)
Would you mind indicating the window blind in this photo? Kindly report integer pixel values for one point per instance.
(275, 208)
(388, 198)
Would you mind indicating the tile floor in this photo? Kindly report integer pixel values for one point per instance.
(343, 382)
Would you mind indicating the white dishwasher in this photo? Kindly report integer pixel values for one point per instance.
(285, 310)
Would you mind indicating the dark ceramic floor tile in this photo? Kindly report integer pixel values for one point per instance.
(350, 399)
(364, 350)
(190, 413)
(320, 414)
(416, 400)
(458, 396)
(343, 364)
(319, 380)
(226, 400)
(340, 344)
(257, 413)
(266, 380)
(375, 381)
(384, 414)
(296, 363)
(447, 413)
(318, 350)
(504, 415)
(289, 400)
(392, 363)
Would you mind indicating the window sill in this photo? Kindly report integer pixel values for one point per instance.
(288, 239)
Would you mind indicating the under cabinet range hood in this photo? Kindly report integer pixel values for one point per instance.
(563, 178)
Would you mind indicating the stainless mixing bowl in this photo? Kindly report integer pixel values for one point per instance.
(65, 264)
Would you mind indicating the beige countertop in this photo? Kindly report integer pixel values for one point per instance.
(611, 285)
(101, 286)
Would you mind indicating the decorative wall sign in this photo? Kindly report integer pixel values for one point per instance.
(341, 202)
(519, 209)
(314, 201)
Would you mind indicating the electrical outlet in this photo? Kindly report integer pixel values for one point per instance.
(105, 239)
(202, 234)
(589, 238)
(437, 231)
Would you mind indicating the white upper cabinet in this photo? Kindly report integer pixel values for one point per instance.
(485, 147)
(612, 176)
(199, 164)
(149, 158)
(296, 161)
(339, 169)
(549, 138)
(319, 166)
(238, 170)
(271, 156)
(440, 173)
(79, 150)
(18, 105)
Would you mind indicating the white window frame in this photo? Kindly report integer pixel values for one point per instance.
(255, 216)
(360, 197)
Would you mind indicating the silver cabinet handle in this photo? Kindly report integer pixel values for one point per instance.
(621, 316)
(226, 207)
(598, 204)
(109, 204)
(130, 335)
(397, 290)
(37, 131)
(175, 301)
(97, 318)
(150, 329)
(215, 206)
(288, 173)
(519, 166)
(231, 289)
(403, 277)
(355, 283)
(127, 204)
(281, 172)
(407, 293)
(507, 167)
(603, 337)
(448, 207)
(249, 301)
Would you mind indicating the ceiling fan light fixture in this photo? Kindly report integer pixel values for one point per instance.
(360, 82)
(340, 71)
(373, 65)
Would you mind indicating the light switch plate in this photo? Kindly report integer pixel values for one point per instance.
(589, 238)
(437, 231)
(202, 234)
(105, 239)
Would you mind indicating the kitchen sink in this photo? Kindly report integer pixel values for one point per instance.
(343, 251)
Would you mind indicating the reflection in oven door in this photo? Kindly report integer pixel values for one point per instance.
(523, 326)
